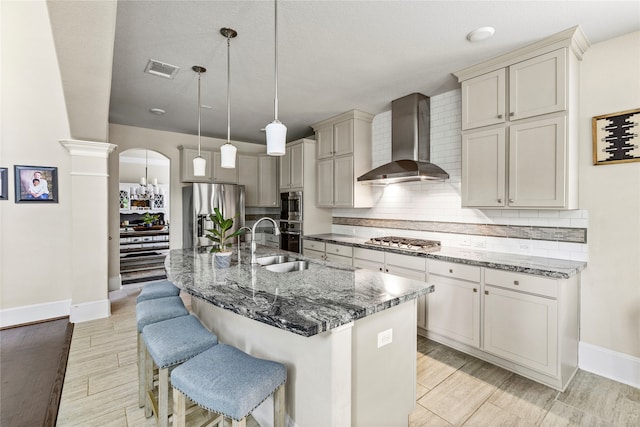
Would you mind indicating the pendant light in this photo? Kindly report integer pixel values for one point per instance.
(199, 162)
(228, 151)
(276, 131)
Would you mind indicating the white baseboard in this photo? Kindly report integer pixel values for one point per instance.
(610, 364)
(90, 311)
(34, 313)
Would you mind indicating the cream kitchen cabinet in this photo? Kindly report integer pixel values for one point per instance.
(313, 249)
(343, 154)
(224, 175)
(523, 108)
(340, 254)
(258, 175)
(409, 266)
(292, 167)
(453, 309)
(186, 165)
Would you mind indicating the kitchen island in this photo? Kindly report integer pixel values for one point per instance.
(347, 336)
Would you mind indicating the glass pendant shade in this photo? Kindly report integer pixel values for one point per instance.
(199, 166)
(228, 156)
(276, 138)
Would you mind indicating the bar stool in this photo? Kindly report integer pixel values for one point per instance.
(229, 382)
(169, 343)
(158, 290)
(148, 312)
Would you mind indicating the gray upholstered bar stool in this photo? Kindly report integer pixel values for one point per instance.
(148, 312)
(158, 290)
(229, 382)
(169, 343)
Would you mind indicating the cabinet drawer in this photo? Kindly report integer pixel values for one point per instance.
(313, 254)
(455, 270)
(521, 282)
(368, 255)
(341, 250)
(406, 261)
(339, 259)
(313, 245)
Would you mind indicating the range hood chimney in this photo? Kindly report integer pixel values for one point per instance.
(410, 145)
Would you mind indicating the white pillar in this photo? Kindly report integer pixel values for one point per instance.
(89, 229)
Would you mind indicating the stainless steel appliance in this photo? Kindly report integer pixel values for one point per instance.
(199, 201)
(406, 243)
(291, 221)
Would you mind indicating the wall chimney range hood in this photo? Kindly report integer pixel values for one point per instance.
(410, 145)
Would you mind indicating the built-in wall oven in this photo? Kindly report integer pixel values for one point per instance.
(291, 221)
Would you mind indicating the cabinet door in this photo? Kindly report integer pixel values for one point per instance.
(223, 175)
(247, 176)
(521, 328)
(313, 254)
(538, 86)
(343, 181)
(339, 259)
(537, 165)
(296, 179)
(325, 183)
(186, 171)
(453, 309)
(343, 138)
(368, 259)
(483, 99)
(484, 168)
(268, 194)
(324, 137)
(285, 170)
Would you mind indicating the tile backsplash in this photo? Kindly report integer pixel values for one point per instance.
(440, 202)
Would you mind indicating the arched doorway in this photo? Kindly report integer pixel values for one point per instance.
(144, 215)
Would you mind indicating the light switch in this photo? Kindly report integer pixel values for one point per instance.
(385, 337)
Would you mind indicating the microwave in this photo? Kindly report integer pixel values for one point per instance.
(291, 206)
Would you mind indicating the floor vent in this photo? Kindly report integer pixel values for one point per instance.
(161, 69)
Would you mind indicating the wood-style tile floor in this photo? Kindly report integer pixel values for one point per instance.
(101, 383)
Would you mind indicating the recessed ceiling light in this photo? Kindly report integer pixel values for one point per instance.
(157, 111)
(480, 34)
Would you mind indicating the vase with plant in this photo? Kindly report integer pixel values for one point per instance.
(219, 235)
(148, 219)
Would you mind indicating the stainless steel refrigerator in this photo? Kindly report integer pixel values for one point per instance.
(198, 202)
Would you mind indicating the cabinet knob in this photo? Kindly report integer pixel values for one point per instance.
(515, 282)
(380, 268)
(499, 200)
(475, 289)
(451, 270)
(511, 200)
(511, 114)
(486, 292)
(386, 270)
(499, 116)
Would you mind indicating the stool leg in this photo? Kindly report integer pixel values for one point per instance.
(179, 409)
(163, 397)
(278, 407)
(141, 378)
(148, 383)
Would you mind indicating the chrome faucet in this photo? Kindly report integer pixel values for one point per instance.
(253, 236)
(240, 235)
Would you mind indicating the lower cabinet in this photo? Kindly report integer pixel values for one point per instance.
(527, 324)
(313, 249)
(340, 254)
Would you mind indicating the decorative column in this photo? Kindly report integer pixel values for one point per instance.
(90, 229)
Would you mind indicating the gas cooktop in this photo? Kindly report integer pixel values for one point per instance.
(406, 243)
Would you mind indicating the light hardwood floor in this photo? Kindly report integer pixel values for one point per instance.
(100, 387)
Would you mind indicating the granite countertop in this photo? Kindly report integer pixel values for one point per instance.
(307, 302)
(539, 266)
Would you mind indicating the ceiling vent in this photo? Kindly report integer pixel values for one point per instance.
(161, 69)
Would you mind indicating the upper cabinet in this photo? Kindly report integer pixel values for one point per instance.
(519, 123)
(186, 165)
(224, 175)
(259, 174)
(343, 154)
(292, 170)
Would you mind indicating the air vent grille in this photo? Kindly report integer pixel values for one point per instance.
(161, 69)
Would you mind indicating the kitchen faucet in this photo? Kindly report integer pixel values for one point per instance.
(240, 235)
(253, 236)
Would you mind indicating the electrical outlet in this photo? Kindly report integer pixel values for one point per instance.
(385, 337)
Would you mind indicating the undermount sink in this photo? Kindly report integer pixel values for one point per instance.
(274, 259)
(287, 267)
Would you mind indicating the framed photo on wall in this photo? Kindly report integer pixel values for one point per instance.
(4, 186)
(616, 137)
(37, 184)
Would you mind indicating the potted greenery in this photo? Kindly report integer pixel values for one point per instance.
(148, 219)
(219, 235)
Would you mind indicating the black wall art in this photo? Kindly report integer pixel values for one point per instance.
(616, 137)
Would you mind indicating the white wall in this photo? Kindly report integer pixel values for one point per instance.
(610, 303)
(34, 238)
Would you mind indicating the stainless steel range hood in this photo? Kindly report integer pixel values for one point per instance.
(410, 145)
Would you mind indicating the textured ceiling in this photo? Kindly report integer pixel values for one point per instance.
(333, 55)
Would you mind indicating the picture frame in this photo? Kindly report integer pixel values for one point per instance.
(4, 184)
(616, 137)
(36, 184)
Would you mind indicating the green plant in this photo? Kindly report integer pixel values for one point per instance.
(149, 219)
(219, 234)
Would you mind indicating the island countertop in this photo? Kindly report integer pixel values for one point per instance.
(307, 302)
